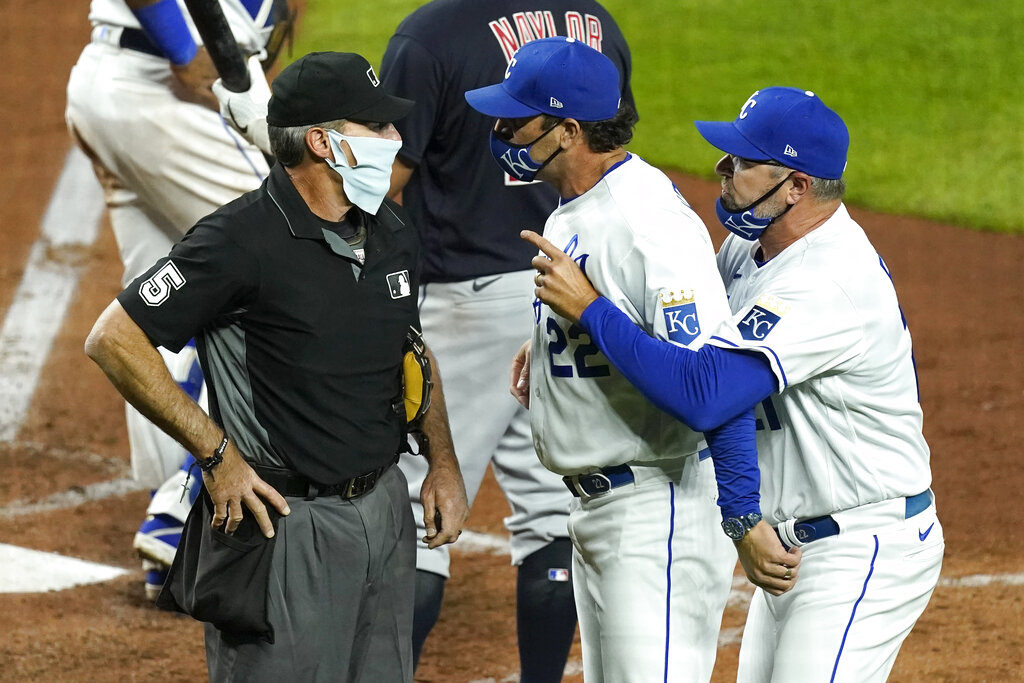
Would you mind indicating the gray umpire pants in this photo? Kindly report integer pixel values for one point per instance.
(341, 595)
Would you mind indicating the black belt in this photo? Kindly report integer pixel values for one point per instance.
(136, 39)
(290, 483)
(600, 482)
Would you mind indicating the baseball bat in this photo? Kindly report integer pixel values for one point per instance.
(220, 43)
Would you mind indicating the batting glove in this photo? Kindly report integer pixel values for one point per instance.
(247, 111)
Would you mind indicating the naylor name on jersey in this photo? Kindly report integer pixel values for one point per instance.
(523, 27)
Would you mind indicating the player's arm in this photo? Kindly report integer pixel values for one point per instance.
(164, 24)
(712, 390)
(766, 562)
(519, 377)
(126, 355)
(443, 492)
(702, 388)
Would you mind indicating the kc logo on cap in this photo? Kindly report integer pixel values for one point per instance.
(788, 125)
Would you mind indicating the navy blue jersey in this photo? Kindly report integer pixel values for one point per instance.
(467, 210)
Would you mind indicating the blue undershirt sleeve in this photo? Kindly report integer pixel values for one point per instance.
(702, 388)
(734, 451)
(165, 25)
(711, 390)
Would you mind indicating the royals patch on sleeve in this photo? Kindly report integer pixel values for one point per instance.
(762, 318)
(680, 311)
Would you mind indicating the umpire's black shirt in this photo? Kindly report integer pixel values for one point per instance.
(302, 357)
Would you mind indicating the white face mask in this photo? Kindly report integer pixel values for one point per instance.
(368, 182)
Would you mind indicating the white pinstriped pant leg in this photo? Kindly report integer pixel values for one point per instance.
(652, 573)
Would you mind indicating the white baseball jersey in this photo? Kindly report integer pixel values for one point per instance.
(841, 438)
(645, 249)
(845, 428)
(651, 567)
(250, 30)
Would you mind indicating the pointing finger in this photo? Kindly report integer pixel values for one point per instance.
(541, 243)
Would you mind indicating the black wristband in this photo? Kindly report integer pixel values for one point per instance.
(217, 458)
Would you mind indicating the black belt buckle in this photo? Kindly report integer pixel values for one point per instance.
(357, 486)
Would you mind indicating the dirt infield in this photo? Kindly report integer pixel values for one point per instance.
(959, 290)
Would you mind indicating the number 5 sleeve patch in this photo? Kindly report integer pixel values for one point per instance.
(155, 289)
(204, 276)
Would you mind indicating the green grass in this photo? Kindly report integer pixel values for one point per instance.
(933, 92)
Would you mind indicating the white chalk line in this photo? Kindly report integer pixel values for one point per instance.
(32, 571)
(23, 570)
(47, 286)
(71, 498)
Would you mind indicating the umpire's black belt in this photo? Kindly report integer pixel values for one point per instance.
(806, 530)
(600, 482)
(290, 483)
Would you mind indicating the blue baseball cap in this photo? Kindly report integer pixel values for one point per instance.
(787, 125)
(558, 76)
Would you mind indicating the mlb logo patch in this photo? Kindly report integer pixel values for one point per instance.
(757, 323)
(680, 311)
(399, 285)
(558, 574)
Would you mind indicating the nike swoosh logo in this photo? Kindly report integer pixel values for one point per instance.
(242, 129)
(924, 534)
(477, 285)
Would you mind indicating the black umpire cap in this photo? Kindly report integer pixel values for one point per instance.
(326, 86)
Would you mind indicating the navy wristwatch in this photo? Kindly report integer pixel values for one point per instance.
(737, 527)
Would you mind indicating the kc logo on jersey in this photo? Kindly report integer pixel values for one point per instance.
(680, 311)
(762, 318)
(399, 285)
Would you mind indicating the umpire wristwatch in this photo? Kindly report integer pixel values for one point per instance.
(737, 527)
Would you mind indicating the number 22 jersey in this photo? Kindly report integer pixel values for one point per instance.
(649, 253)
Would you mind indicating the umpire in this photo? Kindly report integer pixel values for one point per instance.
(300, 295)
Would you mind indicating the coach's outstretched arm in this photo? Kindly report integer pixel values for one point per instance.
(702, 388)
(710, 390)
(134, 366)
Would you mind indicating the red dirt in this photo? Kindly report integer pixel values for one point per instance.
(959, 290)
